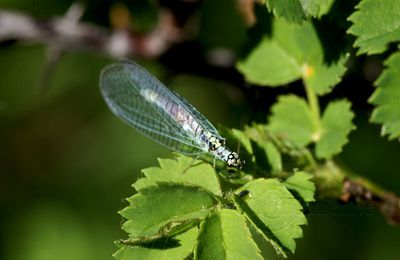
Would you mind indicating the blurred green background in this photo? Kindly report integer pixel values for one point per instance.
(66, 163)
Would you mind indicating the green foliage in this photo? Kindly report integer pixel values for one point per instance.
(274, 211)
(281, 154)
(257, 148)
(237, 138)
(228, 228)
(141, 220)
(267, 156)
(296, 10)
(178, 247)
(376, 24)
(186, 207)
(335, 127)
(290, 53)
(293, 118)
(301, 184)
(182, 170)
(386, 98)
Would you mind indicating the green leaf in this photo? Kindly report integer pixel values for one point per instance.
(269, 64)
(156, 206)
(290, 154)
(169, 230)
(292, 118)
(376, 24)
(178, 247)
(326, 8)
(322, 77)
(292, 52)
(225, 235)
(267, 156)
(295, 10)
(335, 127)
(274, 212)
(386, 98)
(300, 184)
(182, 170)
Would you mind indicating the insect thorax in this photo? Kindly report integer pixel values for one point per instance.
(213, 142)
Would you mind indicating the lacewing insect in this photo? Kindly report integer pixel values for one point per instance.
(143, 102)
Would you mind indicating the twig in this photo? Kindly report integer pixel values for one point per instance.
(335, 182)
(67, 33)
(386, 202)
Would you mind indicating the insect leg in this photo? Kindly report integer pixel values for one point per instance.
(192, 163)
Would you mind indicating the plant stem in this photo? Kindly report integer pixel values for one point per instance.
(337, 182)
(312, 99)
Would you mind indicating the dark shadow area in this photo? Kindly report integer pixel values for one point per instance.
(162, 243)
(262, 28)
(331, 30)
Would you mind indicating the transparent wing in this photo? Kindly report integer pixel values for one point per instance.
(138, 74)
(121, 88)
(199, 117)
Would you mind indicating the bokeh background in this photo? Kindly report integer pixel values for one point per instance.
(66, 163)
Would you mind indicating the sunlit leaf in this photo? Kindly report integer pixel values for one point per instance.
(295, 10)
(376, 24)
(269, 64)
(335, 128)
(225, 235)
(300, 183)
(325, 8)
(155, 206)
(292, 118)
(274, 212)
(182, 170)
(292, 52)
(386, 98)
